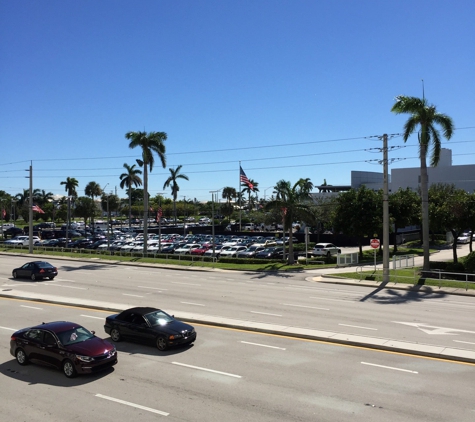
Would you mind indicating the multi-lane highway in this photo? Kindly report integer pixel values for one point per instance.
(230, 374)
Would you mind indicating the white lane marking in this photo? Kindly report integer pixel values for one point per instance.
(69, 287)
(191, 303)
(263, 345)
(324, 290)
(334, 300)
(207, 370)
(303, 306)
(151, 288)
(125, 294)
(31, 307)
(188, 284)
(21, 285)
(64, 279)
(466, 342)
(263, 313)
(137, 406)
(89, 316)
(357, 326)
(432, 329)
(8, 328)
(390, 367)
(229, 279)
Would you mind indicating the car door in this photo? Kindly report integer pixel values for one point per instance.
(25, 270)
(31, 344)
(49, 352)
(137, 329)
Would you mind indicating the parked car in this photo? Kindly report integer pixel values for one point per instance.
(271, 253)
(464, 237)
(13, 231)
(250, 252)
(65, 345)
(186, 249)
(325, 249)
(23, 240)
(149, 325)
(36, 270)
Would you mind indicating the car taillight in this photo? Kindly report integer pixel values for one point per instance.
(42, 270)
(13, 338)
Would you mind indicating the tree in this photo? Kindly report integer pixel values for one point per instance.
(70, 185)
(92, 190)
(404, 209)
(130, 178)
(43, 197)
(292, 203)
(425, 117)
(172, 183)
(248, 189)
(229, 193)
(84, 208)
(150, 143)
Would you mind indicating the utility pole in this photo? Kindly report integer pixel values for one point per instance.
(30, 211)
(385, 211)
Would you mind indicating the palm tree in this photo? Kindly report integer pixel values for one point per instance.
(229, 193)
(171, 181)
(129, 179)
(93, 189)
(152, 142)
(70, 185)
(247, 189)
(44, 197)
(305, 185)
(290, 201)
(426, 117)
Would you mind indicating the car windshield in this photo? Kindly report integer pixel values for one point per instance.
(75, 335)
(158, 318)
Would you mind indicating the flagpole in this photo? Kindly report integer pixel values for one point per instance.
(240, 205)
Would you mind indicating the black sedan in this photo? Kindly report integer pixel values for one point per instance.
(271, 253)
(63, 345)
(36, 270)
(150, 325)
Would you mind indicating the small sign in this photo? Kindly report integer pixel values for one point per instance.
(374, 243)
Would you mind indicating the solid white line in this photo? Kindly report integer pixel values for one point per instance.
(151, 288)
(263, 345)
(89, 316)
(303, 306)
(263, 313)
(31, 307)
(188, 284)
(64, 279)
(390, 367)
(466, 342)
(357, 326)
(7, 328)
(207, 370)
(137, 406)
(334, 300)
(69, 287)
(191, 303)
(125, 294)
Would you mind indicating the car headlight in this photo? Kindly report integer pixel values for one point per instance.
(175, 336)
(85, 358)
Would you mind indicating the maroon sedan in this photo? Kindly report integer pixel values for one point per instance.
(64, 345)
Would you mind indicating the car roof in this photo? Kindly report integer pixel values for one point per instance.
(56, 326)
(139, 311)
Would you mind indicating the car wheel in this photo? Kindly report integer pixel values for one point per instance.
(21, 357)
(115, 335)
(161, 343)
(339, 251)
(68, 369)
(14, 274)
(51, 278)
(33, 277)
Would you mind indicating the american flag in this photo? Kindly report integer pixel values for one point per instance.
(244, 179)
(4, 213)
(159, 213)
(37, 209)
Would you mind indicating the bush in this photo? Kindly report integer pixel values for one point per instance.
(469, 262)
(455, 267)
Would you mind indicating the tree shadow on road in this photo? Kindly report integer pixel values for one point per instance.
(417, 293)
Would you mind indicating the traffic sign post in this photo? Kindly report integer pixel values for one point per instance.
(374, 243)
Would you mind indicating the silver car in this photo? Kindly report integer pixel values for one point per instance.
(326, 249)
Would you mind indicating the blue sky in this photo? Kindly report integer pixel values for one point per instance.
(291, 88)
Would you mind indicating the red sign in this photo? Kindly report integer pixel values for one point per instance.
(374, 243)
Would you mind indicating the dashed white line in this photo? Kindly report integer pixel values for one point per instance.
(137, 406)
(151, 288)
(31, 307)
(69, 287)
(192, 303)
(390, 367)
(207, 370)
(263, 345)
(466, 342)
(357, 326)
(304, 306)
(8, 328)
(187, 284)
(90, 316)
(334, 300)
(125, 294)
(264, 313)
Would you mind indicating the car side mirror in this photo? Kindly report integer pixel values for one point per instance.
(93, 333)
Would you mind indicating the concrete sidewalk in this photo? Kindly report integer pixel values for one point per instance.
(416, 349)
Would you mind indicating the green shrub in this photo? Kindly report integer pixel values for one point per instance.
(455, 267)
(469, 262)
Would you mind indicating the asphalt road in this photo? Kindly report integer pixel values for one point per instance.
(230, 375)
(285, 299)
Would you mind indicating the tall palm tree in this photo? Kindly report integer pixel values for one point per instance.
(44, 197)
(171, 182)
(70, 185)
(130, 178)
(426, 117)
(152, 142)
(247, 189)
(92, 190)
(229, 193)
(292, 202)
(305, 185)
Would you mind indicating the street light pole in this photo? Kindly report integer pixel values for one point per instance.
(184, 216)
